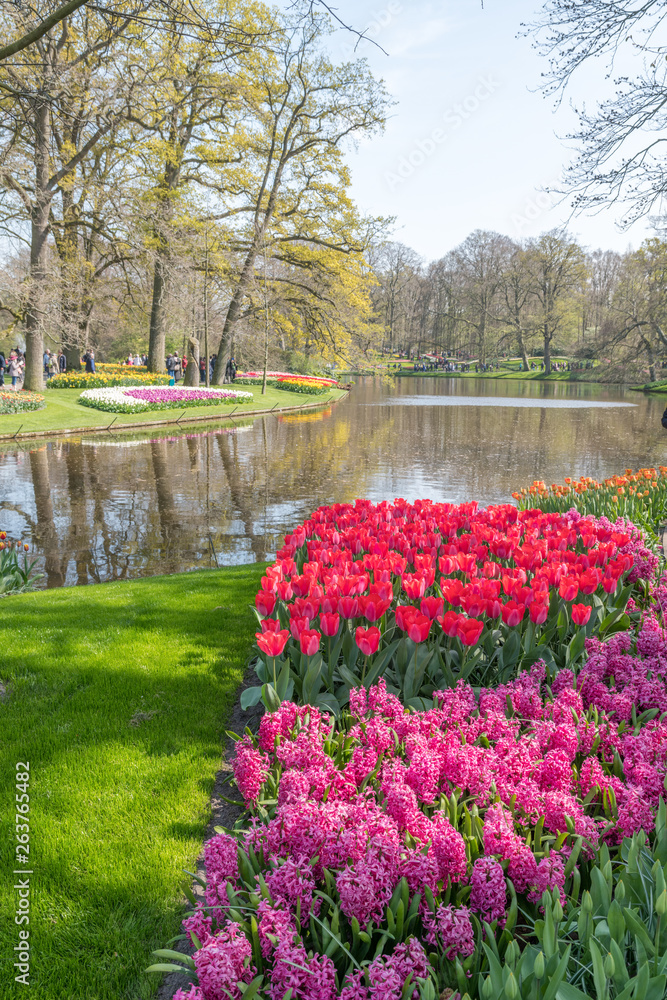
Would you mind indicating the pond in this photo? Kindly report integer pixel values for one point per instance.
(117, 507)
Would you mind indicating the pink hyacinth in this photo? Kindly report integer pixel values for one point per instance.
(450, 929)
(550, 874)
(292, 884)
(223, 962)
(222, 866)
(194, 993)
(250, 768)
(488, 895)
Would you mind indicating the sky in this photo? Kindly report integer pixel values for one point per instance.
(472, 142)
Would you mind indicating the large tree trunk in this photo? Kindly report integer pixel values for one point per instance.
(522, 347)
(192, 371)
(157, 350)
(233, 314)
(34, 332)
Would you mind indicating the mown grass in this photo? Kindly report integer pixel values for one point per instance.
(63, 411)
(117, 695)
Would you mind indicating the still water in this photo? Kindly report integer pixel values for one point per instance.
(116, 507)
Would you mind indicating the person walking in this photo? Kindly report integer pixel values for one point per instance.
(14, 369)
(89, 359)
(62, 361)
(53, 365)
(3, 365)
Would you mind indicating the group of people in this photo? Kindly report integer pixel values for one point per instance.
(137, 359)
(13, 367)
(176, 367)
(54, 363)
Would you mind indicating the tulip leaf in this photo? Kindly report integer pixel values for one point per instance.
(250, 697)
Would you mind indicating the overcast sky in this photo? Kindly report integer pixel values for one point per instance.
(472, 142)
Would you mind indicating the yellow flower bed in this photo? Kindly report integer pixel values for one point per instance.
(106, 379)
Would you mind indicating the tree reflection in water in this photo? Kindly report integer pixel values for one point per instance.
(127, 506)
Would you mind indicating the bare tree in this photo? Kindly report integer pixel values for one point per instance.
(621, 142)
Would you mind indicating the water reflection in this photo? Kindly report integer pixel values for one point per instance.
(118, 507)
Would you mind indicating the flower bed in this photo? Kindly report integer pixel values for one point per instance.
(426, 594)
(309, 384)
(459, 785)
(309, 388)
(106, 379)
(136, 400)
(396, 845)
(20, 402)
(640, 496)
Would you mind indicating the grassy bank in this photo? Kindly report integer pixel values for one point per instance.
(64, 412)
(117, 695)
(505, 372)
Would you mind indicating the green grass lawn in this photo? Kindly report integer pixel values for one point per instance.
(63, 411)
(117, 696)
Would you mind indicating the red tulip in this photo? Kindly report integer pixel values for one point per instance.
(609, 584)
(469, 631)
(367, 639)
(297, 626)
(329, 623)
(270, 583)
(569, 588)
(418, 627)
(348, 607)
(538, 612)
(285, 591)
(307, 607)
(513, 613)
(413, 585)
(272, 643)
(451, 591)
(301, 585)
(309, 640)
(450, 623)
(403, 612)
(494, 608)
(330, 601)
(270, 625)
(265, 602)
(432, 607)
(580, 613)
(372, 607)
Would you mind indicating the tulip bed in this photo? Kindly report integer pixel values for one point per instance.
(20, 402)
(137, 400)
(458, 785)
(312, 385)
(102, 379)
(640, 496)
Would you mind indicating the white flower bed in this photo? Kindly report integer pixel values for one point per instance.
(120, 399)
